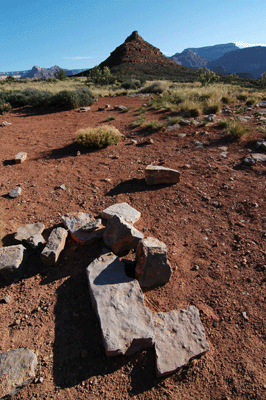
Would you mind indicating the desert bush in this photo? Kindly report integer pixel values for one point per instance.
(205, 76)
(99, 137)
(131, 84)
(78, 98)
(5, 107)
(100, 77)
(60, 74)
(154, 88)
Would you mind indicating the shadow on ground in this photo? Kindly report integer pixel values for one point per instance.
(133, 186)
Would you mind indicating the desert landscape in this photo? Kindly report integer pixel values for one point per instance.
(212, 222)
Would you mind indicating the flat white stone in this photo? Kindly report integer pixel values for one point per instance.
(26, 231)
(11, 261)
(17, 369)
(15, 192)
(122, 210)
(179, 337)
(118, 301)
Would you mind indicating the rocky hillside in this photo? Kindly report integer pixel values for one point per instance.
(136, 57)
(190, 59)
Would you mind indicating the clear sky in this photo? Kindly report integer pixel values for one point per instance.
(82, 33)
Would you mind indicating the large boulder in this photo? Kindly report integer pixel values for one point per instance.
(118, 302)
(152, 266)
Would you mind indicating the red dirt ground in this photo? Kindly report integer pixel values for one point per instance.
(213, 223)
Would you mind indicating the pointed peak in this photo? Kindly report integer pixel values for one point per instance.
(134, 36)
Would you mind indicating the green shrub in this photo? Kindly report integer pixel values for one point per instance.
(99, 137)
(205, 76)
(191, 108)
(78, 98)
(60, 74)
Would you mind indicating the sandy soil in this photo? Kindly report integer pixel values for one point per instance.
(213, 223)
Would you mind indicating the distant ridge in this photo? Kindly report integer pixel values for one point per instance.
(39, 73)
(137, 58)
(198, 57)
(251, 60)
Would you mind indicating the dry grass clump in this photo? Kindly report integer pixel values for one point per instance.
(236, 129)
(98, 137)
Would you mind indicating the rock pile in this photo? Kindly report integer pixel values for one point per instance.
(126, 324)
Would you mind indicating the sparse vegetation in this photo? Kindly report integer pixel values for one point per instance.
(236, 129)
(110, 118)
(154, 125)
(99, 137)
(139, 121)
(140, 110)
(154, 88)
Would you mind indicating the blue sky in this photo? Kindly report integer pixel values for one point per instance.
(81, 34)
